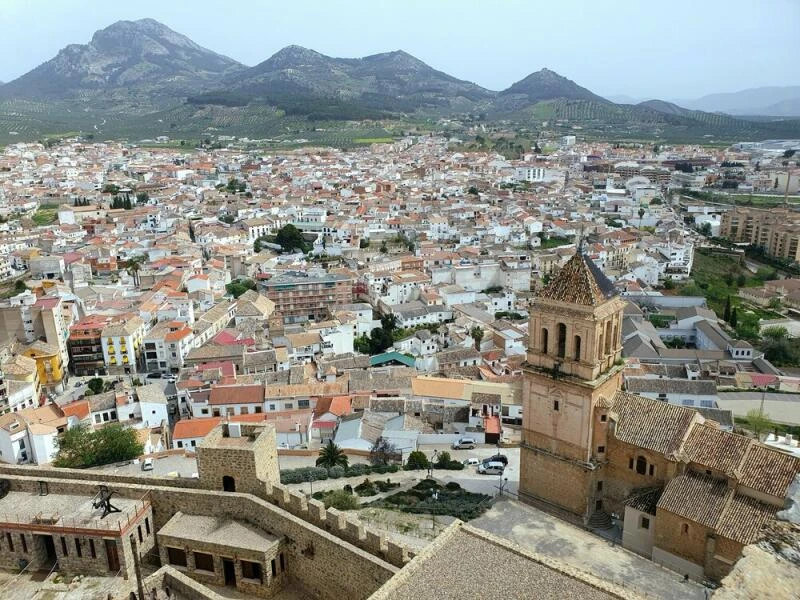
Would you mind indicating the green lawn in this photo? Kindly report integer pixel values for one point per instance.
(555, 242)
(45, 216)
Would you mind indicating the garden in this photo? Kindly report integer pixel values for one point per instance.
(430, 497)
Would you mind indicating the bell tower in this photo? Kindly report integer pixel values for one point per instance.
(572, 371)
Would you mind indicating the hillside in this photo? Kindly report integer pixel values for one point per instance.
(134, 62)
(779, 101)
(542, 86)
(302, 81)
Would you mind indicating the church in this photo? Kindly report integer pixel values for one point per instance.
(688, 494)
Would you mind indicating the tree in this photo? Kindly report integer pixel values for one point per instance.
(81, 447)
(734, 319)
(382, 452)
(389, 322)
(384, 249)
(669, 284)
(95, 384)
(330, 455)
(289, 238)
(476, 333)
(726, 313)
(473, 191)
(240, 286)
(133, 265)
(444, 460)
(775, 303)
(641, 214)
(417, 460)
(19, 286)
(228, 219)
(741, 280)
(363, 243)
(758, 421)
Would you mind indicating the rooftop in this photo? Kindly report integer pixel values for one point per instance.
(579, 281)
(221, 531)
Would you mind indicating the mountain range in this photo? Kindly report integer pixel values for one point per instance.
(142, 78)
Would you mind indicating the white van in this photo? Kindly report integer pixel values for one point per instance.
(147, 464)
(472, 462)
(491, 468)
(464, 443)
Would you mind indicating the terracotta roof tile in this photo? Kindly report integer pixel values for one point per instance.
(651, 424)
(579, 281)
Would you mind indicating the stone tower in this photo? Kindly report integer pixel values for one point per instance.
(239, 457)
(570, 376)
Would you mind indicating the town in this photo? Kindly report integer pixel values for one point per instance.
(356, 343)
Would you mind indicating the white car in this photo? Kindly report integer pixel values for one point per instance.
(471, 462)
(465, 443)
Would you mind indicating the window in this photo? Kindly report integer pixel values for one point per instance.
(608, 338)
(598, 505)
(24, 542)
(641, 465)
(599, 486)
(544, 340)
(305, 404)
(685, 529)
(258, 409)
(645, 523)
(562, 340)
(10, 541)
(251, 570)
(576, 345)
(92, 551)
(203, 562)
(556, 405)
(147, 525)
(274, 571)
(176, 556)
(272, 407)
(97, 418)
(204, 411)
(78, 549)
(141, 538)
(630, 463)
(288, 406)
(603, 418)
(180, 444)
(64, 550)
(601, 449)
(652, 470)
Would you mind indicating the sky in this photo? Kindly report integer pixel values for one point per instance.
(639, 48)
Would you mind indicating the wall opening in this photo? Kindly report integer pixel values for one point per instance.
(562, 340)
(544, 340)
(576, 345)
(228, 484)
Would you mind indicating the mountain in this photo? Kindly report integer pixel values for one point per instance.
(767, 101)
(622, 99)
(127, 60)
(542, 86)
(302, 81)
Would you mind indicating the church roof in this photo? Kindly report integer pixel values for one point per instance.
(580, 281)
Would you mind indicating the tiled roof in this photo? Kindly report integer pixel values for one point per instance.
(697, 497)
(651, 424)
(743, 519)
(194, 428)
(712, 447)
(237, 394)
(767, 470)
(579, 281)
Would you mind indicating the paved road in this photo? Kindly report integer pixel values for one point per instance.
(167, 465)
(550, 536)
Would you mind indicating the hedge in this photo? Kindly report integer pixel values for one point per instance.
(305, 474)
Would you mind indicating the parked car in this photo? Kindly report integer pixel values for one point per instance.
(471, 462)
(147, 464)
(154, 376)
(464, 443)
(501, 458)
(491, 468)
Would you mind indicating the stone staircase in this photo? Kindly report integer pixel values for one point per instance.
(600, 519)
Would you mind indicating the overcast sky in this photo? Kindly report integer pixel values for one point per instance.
(640, 48)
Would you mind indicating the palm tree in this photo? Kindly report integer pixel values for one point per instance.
(133, 265)
(330, 455)
(477, 335)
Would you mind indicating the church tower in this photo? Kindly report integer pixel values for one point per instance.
(572, 372)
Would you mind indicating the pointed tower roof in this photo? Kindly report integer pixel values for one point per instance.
(580, 281)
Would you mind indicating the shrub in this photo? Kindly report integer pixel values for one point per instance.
(358, 470)
(385, 486)
(367, 488)
(443, 460)
(303, 474)
(336, 472)
(417, 460)
(341, 500)
(452, 486)
(393, 468)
